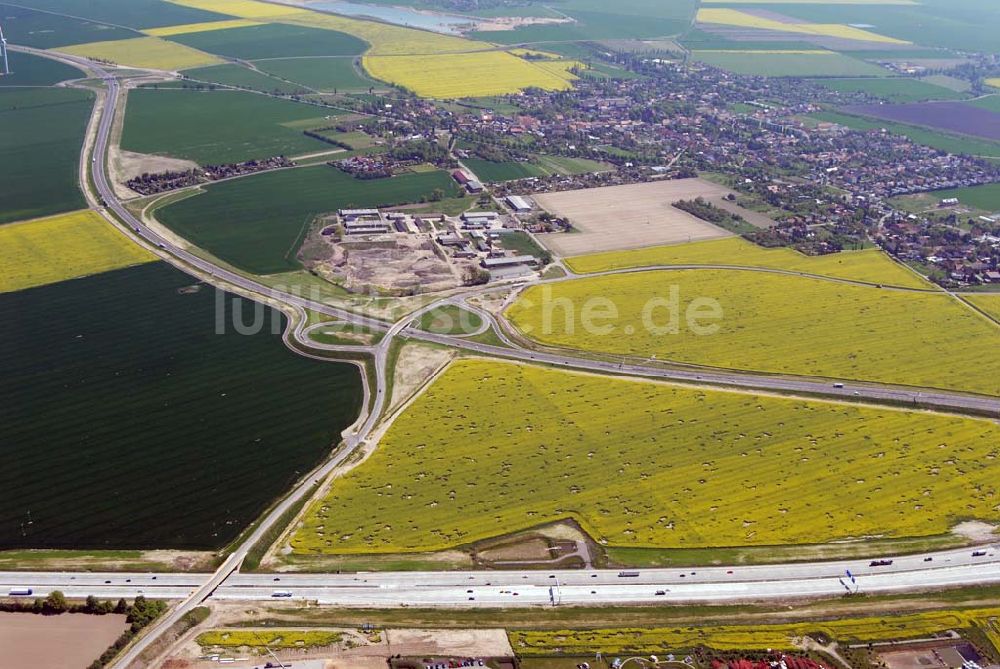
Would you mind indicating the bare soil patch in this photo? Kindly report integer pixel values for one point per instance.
(69, 641)
(396, 264)
(416, 365)
(976, 531)
(523, 551)
(479, 642)
(630, 216)
(514, 22)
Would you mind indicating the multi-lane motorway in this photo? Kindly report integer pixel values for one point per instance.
(540, 587)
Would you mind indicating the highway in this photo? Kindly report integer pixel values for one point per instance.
(532, 587)
(846, 390)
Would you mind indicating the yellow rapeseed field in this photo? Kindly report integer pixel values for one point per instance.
(869, 266)
(239, 638)
(247, 9)
(988, 302)
(772, 323)
(146, 52)
(995, 83)
(493, 447)
(736, 17)
(467, 75)
(189, 28)
(745, 637)
(427, 63)
(47, 250)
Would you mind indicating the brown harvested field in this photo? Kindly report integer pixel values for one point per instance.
(629, 217)
(69, 641)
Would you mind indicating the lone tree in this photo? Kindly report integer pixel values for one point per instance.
(55, 603)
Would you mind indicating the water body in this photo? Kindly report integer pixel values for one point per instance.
(131, 420)
(449, 24)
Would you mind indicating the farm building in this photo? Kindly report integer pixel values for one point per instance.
(357, 213)
(474, 186)
(507, 261)
(461, 177)
(451, 240)
(488, 215)
(354, 227)
(518, 204)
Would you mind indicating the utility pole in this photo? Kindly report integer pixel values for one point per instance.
(3, 53)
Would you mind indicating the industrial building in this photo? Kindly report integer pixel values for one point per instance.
(518, 204)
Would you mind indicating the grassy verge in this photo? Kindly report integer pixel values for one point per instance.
(449, 560)
(256, 553)
(450, 319)
(697, 557)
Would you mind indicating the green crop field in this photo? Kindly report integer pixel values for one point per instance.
(321, 74)
(489, 171)
(805, 63)
(939, 140)
(217, 126)
(773, 323)
(520, 243)
(272, 40)
(985, 197)
(134, 424)
(868, 266)
(29, 70)
(492, 448)
(450, 319)
(893, 90)
(244, 77)
(256, 222)
(41, 134)
(542, 165)
(42, 30)
(131, 13)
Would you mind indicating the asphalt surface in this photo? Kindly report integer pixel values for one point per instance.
(543, 587)
(842, 390)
